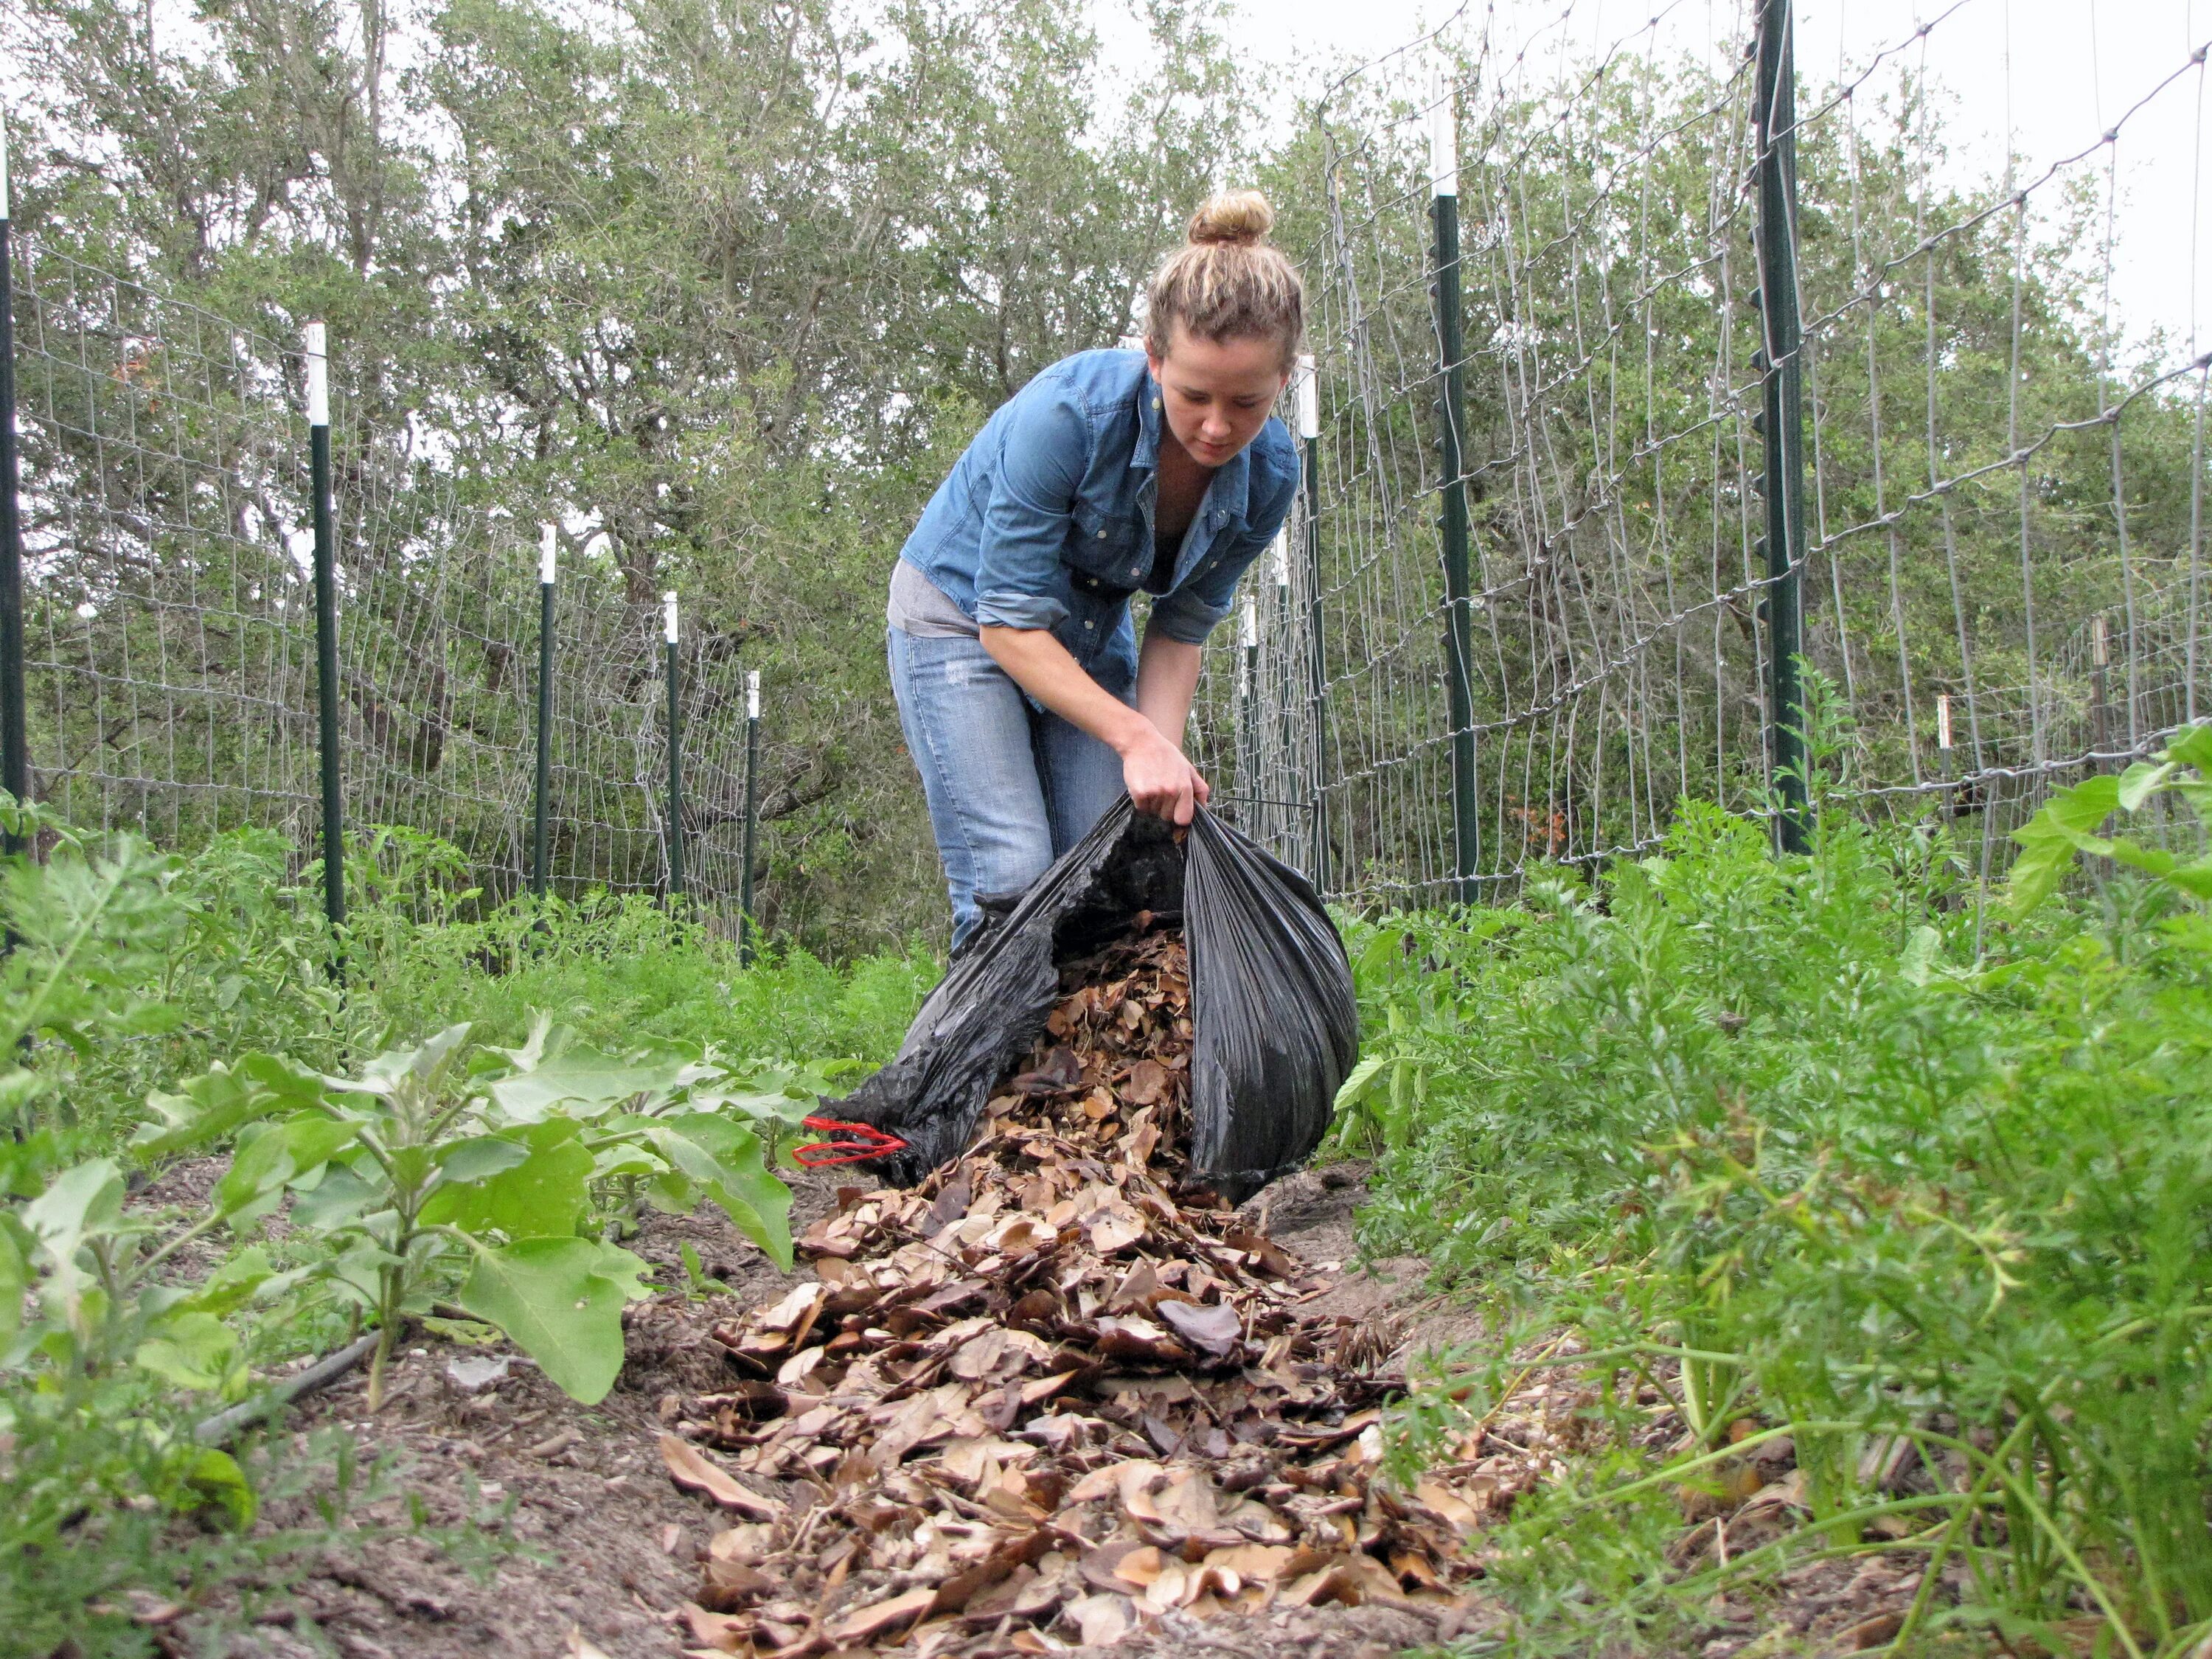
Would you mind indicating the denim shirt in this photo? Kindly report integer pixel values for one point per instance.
(1046, 521)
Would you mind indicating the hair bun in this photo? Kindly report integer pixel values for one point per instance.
(1237, 217)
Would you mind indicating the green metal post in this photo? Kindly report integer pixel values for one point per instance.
(1308, 412)
(675, 755)
(14, 744)
(748, 929)
(547, 552)
(1451, 411)
(326, 634)
(1783, 363)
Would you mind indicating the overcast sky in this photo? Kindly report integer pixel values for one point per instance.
(2054, 74)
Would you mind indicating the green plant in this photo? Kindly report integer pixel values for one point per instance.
(2068, 823)
(445, 1170)
(89, 927)
(1785, 1157)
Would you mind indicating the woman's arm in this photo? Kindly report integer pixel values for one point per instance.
(1167, 685)
(1157, 777)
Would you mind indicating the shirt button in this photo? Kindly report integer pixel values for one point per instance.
(1101, 535)
(1088, 626)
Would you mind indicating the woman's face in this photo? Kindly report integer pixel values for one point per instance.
(1217, 394)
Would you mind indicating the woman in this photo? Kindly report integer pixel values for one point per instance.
(1026, 705)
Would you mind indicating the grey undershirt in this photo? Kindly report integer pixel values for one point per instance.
(920, 609)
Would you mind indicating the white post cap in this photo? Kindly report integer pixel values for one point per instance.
(319, 376)
(2101, 649)
(668, 616)
(752, 694)
(1280, 549)
(1943, 721)
(549, 547)
(1308, 388)
(1443, 137)
(4, 169)
(1248, 622)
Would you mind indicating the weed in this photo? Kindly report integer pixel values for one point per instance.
(1766, 1137)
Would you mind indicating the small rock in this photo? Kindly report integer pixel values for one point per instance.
(1874, 1631)
(473, 1375)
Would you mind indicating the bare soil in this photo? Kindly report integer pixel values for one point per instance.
(592, 1545)
(584, 1546)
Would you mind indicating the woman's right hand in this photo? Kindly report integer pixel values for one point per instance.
(1160, 781)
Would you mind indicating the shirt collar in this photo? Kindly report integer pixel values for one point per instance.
(1145, 456)
(1231, 484)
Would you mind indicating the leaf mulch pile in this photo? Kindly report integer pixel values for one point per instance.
(1049, 1396)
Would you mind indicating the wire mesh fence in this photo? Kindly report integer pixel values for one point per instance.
(1633, 380)
(170, 662)
(2001, 532)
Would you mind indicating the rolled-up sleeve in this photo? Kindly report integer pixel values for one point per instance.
(1018, 573)
(1195, 609)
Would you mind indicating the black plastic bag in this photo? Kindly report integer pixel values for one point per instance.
(1276, 1024)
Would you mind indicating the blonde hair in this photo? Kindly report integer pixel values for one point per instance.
(1228, 281)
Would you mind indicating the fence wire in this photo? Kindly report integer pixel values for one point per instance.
(170, 657)
(2004, 484)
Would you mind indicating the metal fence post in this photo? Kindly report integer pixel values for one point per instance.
(1308, 412)
(1248, 782)
(15, 742)
(748, 929)
(1943, 749)
(2101, 707)
(1451, 410)
(675, 753)
(1783, 365)
(326, 632)
(548, 552)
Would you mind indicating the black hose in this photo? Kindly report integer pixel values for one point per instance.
(224, 1425)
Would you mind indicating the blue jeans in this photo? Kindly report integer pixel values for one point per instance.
(1011, 787)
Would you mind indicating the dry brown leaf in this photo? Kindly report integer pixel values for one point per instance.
(692, 1470)
(1258, 1563)
(1217, 1329)
(1146, 1083)
(1103, 1619)
(864, 1624)
(1140, 1566)
(1439, 1500)
(720, 1631)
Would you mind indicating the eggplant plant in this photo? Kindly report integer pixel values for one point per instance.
(475, 1176)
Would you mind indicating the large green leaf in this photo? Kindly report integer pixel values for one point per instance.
(2066, 824)
(2192, 746)
(724, 1159)
(279, 1153)
(82, 1201)
(194, 1351)
(420, 1068)
(223, 1100)
(338, 1195)
(588, 1083)
(214, 1480)
(559, 1300)
(541, 1192)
